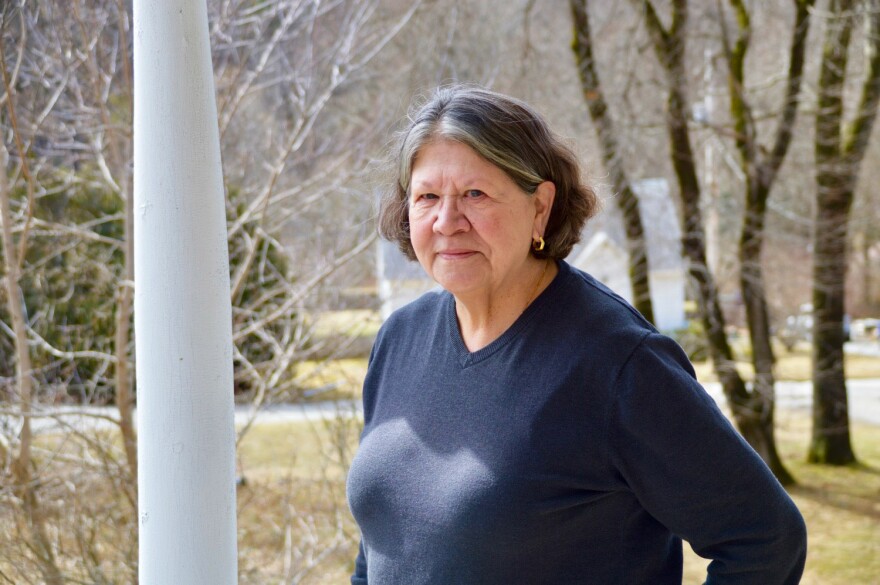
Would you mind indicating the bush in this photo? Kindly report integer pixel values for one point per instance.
(692, 340)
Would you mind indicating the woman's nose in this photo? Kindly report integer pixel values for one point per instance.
(450, 218)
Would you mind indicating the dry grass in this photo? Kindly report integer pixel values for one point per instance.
(90, 521)
(332, 380)
(293, 519)
(796, 365)
(349, 322)
(347, 374)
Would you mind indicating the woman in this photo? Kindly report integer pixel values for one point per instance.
(526, 425)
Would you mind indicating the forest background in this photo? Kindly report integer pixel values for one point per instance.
(757, 114)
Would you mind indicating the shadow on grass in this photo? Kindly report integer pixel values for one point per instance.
(859, 466)
(843, 495)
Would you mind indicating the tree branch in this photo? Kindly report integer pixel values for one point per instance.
(858, 133)
(796, 61)
(22, 152)
(660, 37)
(735, 56)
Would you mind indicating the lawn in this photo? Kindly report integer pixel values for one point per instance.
(293, 520)
(347, 322)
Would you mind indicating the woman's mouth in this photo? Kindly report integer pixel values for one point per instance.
(455, 254)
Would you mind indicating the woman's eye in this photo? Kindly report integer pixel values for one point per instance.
(474, 193)
(425, 197)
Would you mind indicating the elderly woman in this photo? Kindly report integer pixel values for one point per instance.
(525, 425)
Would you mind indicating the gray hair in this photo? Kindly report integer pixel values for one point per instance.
(507, 133)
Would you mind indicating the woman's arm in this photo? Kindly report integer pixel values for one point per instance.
(695, 474)
(360, 567)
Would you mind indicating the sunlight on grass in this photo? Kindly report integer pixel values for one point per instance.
(350, 322)
(293, 518)
(332, 379)
(796, 365)
(311, 450)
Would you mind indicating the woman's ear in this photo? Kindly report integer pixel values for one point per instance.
(543, 197)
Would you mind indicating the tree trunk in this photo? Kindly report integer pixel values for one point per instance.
(25, 487)
(124, 393)
(754, 418)
(591, 87)
(752, 412)
(839, 154)
(762, 398)
(761, 171)
(830, 442)
(694, 237)
(755, 301)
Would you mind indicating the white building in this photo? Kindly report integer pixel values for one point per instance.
(603, 252)
(401, 280)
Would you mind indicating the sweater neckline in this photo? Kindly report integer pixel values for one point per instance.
(468, 358)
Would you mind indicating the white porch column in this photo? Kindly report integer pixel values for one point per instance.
(183, 325)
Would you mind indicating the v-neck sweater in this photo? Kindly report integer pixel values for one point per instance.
(577, 447)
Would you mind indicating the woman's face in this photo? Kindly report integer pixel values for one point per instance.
(471, 226)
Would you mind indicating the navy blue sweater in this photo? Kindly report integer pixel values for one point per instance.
(576, 448)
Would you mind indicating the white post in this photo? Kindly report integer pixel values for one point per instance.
(183, 324)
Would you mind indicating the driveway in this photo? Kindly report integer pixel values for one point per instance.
(864, 405)
(864, 397)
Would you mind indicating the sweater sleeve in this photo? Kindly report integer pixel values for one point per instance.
(360, 567)
(693, 472)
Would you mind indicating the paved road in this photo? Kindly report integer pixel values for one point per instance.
(863, 347)
(864, 397)
(864, 405)
(104, 417)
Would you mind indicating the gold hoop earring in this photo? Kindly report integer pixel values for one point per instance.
(538, 244)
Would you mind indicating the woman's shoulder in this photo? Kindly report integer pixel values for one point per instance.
(429, 305)
(424, 313)
(600, 308)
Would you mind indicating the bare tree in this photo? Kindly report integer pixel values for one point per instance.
(301, 113)
(591, 86)
(760, 166)
(25, 486)
(102, 37)
(839, 148)
(295, 218)
(669, 44)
